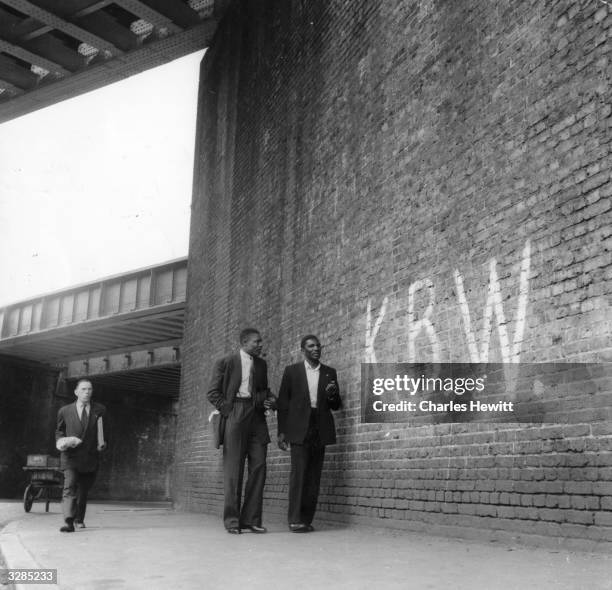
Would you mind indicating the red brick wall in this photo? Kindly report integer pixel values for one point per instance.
(407, 159)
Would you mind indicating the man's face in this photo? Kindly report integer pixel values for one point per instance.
(252, 344)
(83, 392)
(312, 350)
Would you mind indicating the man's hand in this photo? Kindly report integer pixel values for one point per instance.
(332, 389)
(225, 408)
(270, 403)
(67, 442)
(283, 445)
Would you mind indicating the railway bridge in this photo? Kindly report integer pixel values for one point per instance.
(124, 334)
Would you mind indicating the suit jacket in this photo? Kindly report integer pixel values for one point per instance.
(294, 404)
(226, 379)
(84, 457)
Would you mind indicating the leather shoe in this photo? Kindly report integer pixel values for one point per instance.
(255, 528)
(79, 525)
(298, 527)
(234, 530)
(309, 528)
(68, 527)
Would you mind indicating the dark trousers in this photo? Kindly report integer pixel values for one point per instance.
(76, 488)
(305, 478)
(246, 438)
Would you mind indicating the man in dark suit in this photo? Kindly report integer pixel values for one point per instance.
(308, 391)
(82, 422)
(239, 391)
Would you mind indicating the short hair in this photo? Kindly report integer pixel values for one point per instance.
(83, 380)
(244, 334)
(309, 337)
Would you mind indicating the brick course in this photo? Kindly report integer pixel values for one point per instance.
(352, 153)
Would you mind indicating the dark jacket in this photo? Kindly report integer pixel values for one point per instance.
(83, 457)
(226, 379)
(294, 404)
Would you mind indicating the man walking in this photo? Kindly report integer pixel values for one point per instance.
(308, 391)
(239, 391)
(80, 438)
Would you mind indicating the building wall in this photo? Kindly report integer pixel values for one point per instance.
(138, 462)
(394, 176)
(26, 426)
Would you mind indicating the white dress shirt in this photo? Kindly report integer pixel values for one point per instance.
(312, 375)
(247, 364)
(80, 410)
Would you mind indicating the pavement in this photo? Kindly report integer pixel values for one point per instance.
(150, 547)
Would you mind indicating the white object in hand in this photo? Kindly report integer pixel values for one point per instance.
(101, 441)
(67, 442)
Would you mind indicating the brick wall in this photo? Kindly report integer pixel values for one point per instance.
(417, 163)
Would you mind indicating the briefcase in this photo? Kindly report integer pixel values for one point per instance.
(217, 421)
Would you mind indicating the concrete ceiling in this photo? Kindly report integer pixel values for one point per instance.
(51, 50)
(162, 381)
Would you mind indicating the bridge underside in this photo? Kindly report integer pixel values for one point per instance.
(159, 381)
(124, 331)
(121, 334)
(51, 50)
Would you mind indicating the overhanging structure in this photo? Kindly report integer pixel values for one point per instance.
(51, 50)
(124, 330)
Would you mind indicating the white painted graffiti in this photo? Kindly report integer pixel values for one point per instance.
(371, 333)
(423, 320)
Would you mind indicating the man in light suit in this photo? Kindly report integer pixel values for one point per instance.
(81, 419)
(239, 391)
(308, 393)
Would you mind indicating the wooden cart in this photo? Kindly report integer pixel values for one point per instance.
(45, 480)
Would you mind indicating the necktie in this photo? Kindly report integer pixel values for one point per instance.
(84, 418)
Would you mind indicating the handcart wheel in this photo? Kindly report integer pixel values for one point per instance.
(28, 498)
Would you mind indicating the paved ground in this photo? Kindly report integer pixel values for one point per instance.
(149, 547)
(11, 510)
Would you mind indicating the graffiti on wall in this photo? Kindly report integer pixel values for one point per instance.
(421, 322)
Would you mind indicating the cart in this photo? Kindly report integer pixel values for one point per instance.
(45, 480)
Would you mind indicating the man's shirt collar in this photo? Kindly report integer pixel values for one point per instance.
(245, 355)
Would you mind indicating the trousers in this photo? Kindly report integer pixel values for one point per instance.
(76, 489)
(245, 441)
(305, 476)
